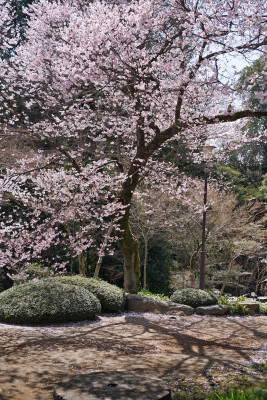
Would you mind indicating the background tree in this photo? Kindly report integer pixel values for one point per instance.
(235, 241)
(244, 167)
(156, 209)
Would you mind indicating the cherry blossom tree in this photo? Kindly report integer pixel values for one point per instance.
(52, 200)
(102, 83)
(13, 22)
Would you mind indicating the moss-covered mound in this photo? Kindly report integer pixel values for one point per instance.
(112, 298)
(193, 297)
(47, 302)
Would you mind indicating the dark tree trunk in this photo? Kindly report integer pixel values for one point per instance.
(127, 241)
(130, 250)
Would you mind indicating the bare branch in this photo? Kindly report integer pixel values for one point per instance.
(229, 117)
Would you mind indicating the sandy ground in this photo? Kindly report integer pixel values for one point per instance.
(34, 359)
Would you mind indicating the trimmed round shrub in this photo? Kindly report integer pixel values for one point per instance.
(193, 297)
(47, 302)
(112, 298)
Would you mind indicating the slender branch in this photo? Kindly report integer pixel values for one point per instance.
(25, 130)
(229, 117)
(164, 48)
(247, 46)
(103, 248)
(192, 74)
(119, 156)
(162, 136)
(26, 172)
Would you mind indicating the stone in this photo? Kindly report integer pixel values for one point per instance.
(216, 293)
(137, 303)
(217, 309)
(251, 307)
(262, 299)
(111, 385)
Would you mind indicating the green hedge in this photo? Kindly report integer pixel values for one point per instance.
(193, 297)
(112, 298)
(47, 302)
(263, 308)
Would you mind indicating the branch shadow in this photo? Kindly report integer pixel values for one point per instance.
(30, 355)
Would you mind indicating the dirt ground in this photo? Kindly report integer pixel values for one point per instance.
(182, 351)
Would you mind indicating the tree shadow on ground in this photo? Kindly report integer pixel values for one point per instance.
(34, 360)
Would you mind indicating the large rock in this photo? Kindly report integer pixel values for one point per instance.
(137, 303)
(262, 299)
(217, 309)
(111, 385)
(251, 307)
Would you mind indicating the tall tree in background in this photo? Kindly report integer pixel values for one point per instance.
(249, 162)
(253, 83)
(110, 85)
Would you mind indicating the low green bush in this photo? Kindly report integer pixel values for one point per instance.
(193, 297)
(236, 308)
(112, 298)
(263, 308)
(47, 302)
(224, 300)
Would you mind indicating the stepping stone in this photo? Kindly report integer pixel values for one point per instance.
(111, 385)
(219, 309)
(137, 303)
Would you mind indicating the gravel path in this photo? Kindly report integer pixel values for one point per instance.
(204, 349)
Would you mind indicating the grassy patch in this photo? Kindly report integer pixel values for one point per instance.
(254, 394)
(157, 296)
(246, 394)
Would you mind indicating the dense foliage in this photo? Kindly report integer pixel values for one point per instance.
(246, 165)
(158, 266)
(47, 302)
(193, 297)
(110, 296)
(5, 281)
